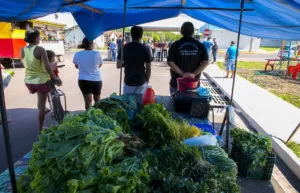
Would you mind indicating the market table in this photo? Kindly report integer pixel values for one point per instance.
(218, 102)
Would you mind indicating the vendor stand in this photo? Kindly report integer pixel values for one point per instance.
(12, 39)
(241, 9)
(218, 102)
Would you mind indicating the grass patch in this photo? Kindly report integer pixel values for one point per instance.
(294, 147)
(221, 65)
(290, 98)
(246, 65)
(270, 49)
(275, 85)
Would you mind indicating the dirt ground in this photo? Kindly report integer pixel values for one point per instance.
(281, 86)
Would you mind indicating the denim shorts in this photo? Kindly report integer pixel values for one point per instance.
(230, 64)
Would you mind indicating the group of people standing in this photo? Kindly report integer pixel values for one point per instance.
(211, 47)
(40, 66)
(187, 57)
(230, 56)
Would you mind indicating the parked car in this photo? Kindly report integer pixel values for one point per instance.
(285, 54)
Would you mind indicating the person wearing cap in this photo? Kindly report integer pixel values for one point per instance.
(187, 57)
(230, 58)
(88, 62)
(37, 72)
(137, 63)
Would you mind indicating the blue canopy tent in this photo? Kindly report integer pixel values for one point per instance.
(276, 19)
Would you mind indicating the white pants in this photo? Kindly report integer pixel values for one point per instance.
(134, 89)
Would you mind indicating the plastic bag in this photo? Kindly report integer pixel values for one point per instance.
(204, 92)
(203, 140)
(6, 77)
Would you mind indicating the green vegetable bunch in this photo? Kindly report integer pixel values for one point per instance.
(91, 152)
(181, 168)
(72, 155)
(161, 128)
(120, 108)
(257, 146)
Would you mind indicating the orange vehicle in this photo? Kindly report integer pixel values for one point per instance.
(12, 39)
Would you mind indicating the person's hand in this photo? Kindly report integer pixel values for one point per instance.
(57, 81)
(189, 75)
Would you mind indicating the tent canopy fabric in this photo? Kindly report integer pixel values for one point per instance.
(211, 27)
(276, 19)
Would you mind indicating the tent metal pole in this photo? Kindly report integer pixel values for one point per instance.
(289, 54)
(234, 74)
(122, 47)
(6, 137)
(193, 8)
(237, 53)
(293, 133)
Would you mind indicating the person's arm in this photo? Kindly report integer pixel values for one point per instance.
(200, 69)
(99, 59)
(203, 64)
(22, 56)
(75, 61)
(171, 59)
(119, 61)
(45, 61)
(148, 60)
(175, 68)
(226, 56)
(148, 71)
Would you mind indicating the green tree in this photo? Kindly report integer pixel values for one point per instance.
(156, 37)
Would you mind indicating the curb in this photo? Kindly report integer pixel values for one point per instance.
(282, 151)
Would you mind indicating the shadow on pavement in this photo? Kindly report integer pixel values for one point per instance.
(256, 186)
(23, 130)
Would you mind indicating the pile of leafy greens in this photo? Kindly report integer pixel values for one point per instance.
(256, 146)
(73, 157)
(92, 152)
(120, 108)
(181, 168)
(161, 128)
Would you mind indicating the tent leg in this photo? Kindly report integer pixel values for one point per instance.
(238, 44)
(294, 132)
(227, 131)
(289, 54)
(122, 47)
(223, 123)
(6, 137)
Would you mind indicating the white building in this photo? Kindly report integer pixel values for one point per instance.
(74, 37)
(224, 37)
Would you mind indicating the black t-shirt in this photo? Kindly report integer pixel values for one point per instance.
(187, 54)
(135, 57)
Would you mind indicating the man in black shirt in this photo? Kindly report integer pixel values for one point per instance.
(187, 57)
(137, 63)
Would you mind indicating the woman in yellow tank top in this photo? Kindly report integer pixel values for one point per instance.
(37, 71)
